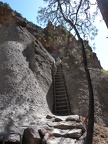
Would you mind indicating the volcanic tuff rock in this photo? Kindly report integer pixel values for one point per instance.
(5, 13)
(54, 39)
(78, 91)
(25, 78)
(25, 75)
(57, 39)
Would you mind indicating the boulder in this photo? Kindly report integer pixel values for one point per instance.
(22, 22)
(31, 136)
(74, 133)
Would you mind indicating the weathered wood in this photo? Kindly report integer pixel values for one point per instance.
(62, 106)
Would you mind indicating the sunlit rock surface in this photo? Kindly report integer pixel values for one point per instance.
(78, 91)
(50, 135)
(25, 78)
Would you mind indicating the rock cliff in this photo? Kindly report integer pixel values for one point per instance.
(78, 91)
(26, 92)
(25, 68)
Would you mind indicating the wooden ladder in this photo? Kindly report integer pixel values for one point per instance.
(60, 95)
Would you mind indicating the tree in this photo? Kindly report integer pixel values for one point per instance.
(103, 6)
(74, 15)
(77, 11)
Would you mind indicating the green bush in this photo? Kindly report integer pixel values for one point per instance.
(7, 6)
(104, 71)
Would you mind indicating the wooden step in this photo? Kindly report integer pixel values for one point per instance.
(59, 88)
(60, 94)
(58, 75)
(59, 71)
(60, 99)
(62, 110)
(59, 81)
(61, 102)
(59, 78)
(60, 91)
(59, 84)
(61, 106)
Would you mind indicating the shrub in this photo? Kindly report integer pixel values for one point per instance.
(6, 5)
(104, 71)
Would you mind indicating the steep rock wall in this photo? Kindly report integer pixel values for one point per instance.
(78, 91)
(6, 13)
(25, 78)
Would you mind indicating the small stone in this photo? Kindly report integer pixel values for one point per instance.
(30, 136)
(62, 140)
(21, 21)
(75, 133)
(57, 119)
(79, 142)
(49, 117)
(67, 125)
(72, 118)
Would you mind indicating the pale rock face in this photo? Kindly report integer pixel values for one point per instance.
(26, 90)
(78, 91)
(25, 78)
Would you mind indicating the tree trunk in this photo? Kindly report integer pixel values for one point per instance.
(90, 127)
(103, 6)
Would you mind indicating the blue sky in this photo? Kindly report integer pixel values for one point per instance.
(29, 8)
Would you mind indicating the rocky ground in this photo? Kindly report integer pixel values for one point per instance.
(56, 130)
(100, 134)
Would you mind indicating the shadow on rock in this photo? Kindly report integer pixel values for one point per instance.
(49, 97)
